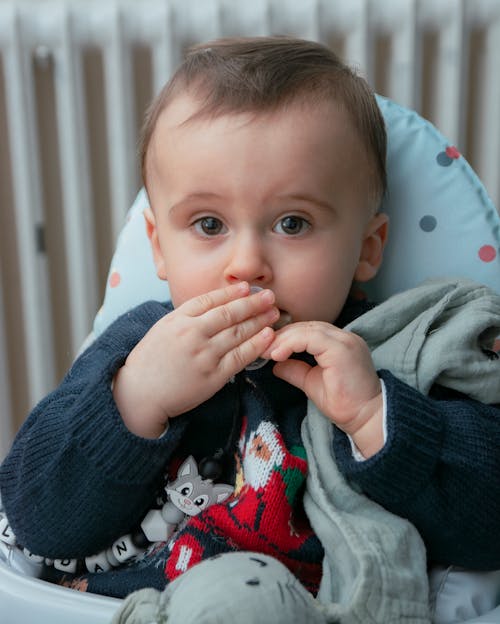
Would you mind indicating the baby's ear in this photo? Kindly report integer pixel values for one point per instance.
(372, 249)
(152, 232)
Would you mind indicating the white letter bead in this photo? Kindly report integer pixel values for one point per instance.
(154, 526)
(113, 561)
(66, 565)
(6, 533)
(35, 558)
(124, 548)
(98, 563)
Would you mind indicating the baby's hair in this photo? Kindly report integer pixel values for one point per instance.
(263, 74)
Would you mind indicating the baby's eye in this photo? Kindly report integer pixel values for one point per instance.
(209, 226)
(291, 225)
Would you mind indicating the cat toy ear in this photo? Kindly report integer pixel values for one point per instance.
(222, 491)
(188, 467)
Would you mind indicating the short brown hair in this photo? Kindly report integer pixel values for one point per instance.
(264, 73)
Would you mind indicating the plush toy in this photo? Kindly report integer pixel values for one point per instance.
(188, 495)
(262, 591)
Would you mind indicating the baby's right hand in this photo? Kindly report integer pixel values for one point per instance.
(189, 354)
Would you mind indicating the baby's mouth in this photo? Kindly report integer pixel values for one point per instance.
(284, 319)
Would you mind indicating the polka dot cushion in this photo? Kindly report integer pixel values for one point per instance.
(442, 223)
(132, 275)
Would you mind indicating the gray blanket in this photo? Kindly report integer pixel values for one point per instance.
(437, 333)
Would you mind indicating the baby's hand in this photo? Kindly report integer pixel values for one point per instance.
(344, 385)
(189, 354)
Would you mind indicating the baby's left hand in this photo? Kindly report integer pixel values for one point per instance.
(344, 385)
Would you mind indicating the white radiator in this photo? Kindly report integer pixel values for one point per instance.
(74, 78)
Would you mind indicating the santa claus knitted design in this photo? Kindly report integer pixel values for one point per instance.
(265, 514)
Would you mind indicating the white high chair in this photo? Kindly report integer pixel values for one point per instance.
(442, 224)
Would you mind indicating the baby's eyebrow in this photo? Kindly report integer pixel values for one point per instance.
(192, 198)
(207, 196)
(307, 198)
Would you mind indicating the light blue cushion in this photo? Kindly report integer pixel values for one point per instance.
(442, 223)
(132, 275)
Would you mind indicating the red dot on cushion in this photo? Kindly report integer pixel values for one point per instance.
(114, 279)
(487, 253)
(496, 345)
(452, 152)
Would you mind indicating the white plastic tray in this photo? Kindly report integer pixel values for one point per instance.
(24, 600)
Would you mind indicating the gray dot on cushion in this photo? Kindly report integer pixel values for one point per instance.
(428, 223)
(443, 159)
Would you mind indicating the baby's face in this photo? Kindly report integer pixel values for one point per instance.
(280, 200)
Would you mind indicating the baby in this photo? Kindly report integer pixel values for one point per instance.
(264, 164)
(280, 193)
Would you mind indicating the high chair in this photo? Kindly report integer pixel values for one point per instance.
(442, 224)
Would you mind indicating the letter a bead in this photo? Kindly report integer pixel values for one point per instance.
(97, 563)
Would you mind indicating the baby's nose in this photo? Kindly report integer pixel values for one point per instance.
(248, 262)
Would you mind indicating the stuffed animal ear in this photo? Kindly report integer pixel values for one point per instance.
(188, 467)
(222, 491)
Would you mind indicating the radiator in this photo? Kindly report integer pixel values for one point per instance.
(75, 77)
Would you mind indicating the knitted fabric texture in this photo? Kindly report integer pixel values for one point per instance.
(265, 514)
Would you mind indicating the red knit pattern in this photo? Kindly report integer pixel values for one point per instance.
(265, 514)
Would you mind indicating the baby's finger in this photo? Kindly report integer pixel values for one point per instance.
(233, 313)
(237, 359)
(213, 299)
(293, 371)
(233, 336)
(310, 336)
(288, 340)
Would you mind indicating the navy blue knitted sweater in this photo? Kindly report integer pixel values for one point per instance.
(76, 478)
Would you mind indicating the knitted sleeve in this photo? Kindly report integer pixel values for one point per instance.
(440, 469)
(76, 478)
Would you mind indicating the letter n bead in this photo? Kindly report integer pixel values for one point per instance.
(124, 548)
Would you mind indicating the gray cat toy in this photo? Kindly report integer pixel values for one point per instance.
(188, 495)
